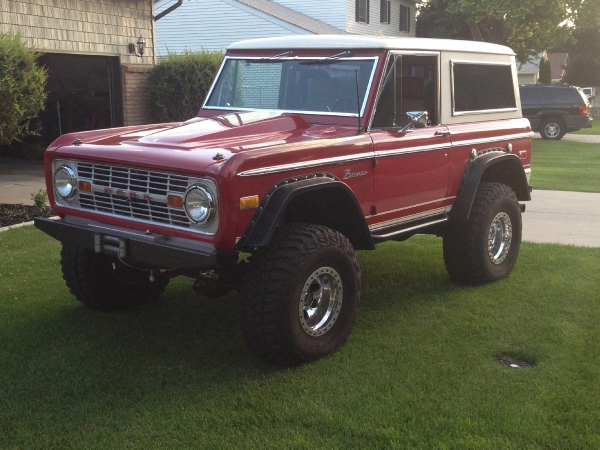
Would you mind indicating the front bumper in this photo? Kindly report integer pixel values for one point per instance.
(150, 249)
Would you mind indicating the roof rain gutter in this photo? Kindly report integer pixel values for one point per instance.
(168, 10)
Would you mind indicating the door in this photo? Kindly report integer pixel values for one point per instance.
(412, 165)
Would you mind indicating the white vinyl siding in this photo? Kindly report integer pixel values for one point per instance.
(331, 12)
(375, 27)
(199, 25)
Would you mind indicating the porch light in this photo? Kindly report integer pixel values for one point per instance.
(139, 47)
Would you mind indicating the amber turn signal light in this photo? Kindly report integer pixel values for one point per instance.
(85, 186)
(175, 201)
(249, 202)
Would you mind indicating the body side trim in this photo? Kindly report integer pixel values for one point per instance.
(379, 154)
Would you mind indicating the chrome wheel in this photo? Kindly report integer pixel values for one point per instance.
(552, 130)
(320, 301)
(499, 238)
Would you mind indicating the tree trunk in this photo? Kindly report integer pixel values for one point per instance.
(475, 31)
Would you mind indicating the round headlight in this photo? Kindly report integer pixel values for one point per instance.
(199, 204)
(65, 182)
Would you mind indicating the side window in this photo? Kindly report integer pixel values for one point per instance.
(561, 96)
(410, 85)
(404, 18)
(481, 87)
(530, 97)
(362, 11)
(385, 11)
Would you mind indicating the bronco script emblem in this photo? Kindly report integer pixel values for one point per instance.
(348, 174)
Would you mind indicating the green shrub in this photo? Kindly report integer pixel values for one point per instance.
(22, 84)
(40, 199)
(179, 84)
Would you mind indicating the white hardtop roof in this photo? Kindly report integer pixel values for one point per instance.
(333, 41)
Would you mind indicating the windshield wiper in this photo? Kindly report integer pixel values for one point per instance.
(286, 55)
(329, 60)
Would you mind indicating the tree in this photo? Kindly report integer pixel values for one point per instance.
(528, 27)
(545, 72)
(583, 68)
(22, 84)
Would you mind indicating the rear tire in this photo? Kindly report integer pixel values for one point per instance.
(553, 129)
(486, 248)
(101, 282)
(300, 296)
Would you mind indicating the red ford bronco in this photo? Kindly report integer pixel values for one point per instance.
(305, 150)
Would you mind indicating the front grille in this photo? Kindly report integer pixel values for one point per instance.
(133, 193)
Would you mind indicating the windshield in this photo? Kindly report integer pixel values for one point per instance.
(323, 86)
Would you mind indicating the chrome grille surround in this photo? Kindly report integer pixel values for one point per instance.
(136, 194)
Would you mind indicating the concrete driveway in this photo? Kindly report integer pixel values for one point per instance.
(19, 178)
(562, 217)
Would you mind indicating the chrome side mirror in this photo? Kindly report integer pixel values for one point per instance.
(417, 119)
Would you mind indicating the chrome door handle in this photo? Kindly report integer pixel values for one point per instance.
(442, 133)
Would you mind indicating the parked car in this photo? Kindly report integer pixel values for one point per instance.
(306, 149)
(590, 92)
(555, 109)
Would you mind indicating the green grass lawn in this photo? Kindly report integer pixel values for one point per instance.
(594, 130)
(565, 166)
(418, 371)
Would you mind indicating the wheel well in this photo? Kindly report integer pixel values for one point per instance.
(507, 173)
(332, 208)
(553, 117)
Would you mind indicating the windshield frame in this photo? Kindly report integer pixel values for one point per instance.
(317, 60)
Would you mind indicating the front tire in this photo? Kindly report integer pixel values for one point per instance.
(101, 282)
(553, 129)
(485, 249)
(300, 296)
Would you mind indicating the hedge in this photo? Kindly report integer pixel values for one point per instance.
(180, 82)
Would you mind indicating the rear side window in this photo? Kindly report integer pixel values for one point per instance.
(534, 96)
(565, 96)
(482, 87)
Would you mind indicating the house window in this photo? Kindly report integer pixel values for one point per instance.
(385, 11)
(404, 18)
(362, 11)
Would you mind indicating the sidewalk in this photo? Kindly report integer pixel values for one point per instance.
(570, 137)
(552, 216)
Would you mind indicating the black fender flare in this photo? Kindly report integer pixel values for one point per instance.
(267, 217)
(477, 168)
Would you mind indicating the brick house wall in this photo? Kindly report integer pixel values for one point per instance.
(136, 95)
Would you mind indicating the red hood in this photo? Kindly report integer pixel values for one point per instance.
(193, 145)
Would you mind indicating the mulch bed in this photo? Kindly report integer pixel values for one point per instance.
(15, 214)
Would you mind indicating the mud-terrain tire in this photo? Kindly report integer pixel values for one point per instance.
(553, 129)
(101, 282)
(300, 295)
(486, 248)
